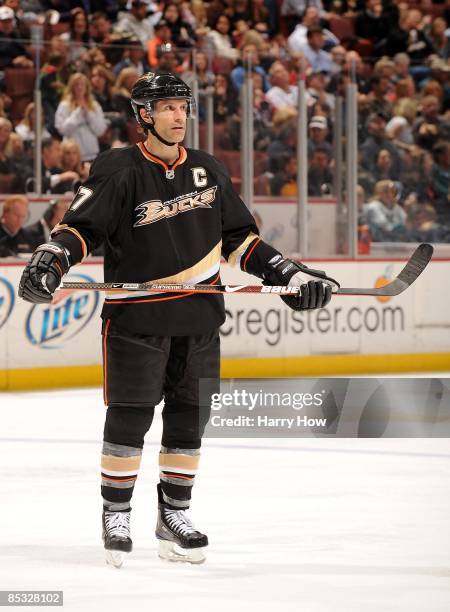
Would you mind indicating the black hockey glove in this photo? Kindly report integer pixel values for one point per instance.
(43, 273)
(313, 294)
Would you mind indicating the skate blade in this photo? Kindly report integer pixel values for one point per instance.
(170, 551)
(115, 557)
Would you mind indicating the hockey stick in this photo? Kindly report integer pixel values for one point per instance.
(414, 267)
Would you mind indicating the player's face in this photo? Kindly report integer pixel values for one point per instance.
(170, 119)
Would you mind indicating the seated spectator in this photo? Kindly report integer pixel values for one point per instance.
(384, 167)
(320, 176)
(316, 90)
(375, 141)
(355, 69)
(241, 27)
(372, 23)
(338, 56)
(101, 28)
(39, 232)
(161, 40)
(310, 18)
(225, 101)
(284, 183)
(281, 93)
(319, 59)
(79, 116)
(422, 224)
(416, 175)
(377, 98)
(293, 10)
(134, 57)
(78, 37)
(440, 180)
(102, 80)
(385, 217)
(433, 88)
(137, 23)
(13, 238)
(54, 180)
(409, 38)
(205, 78)
(121, 93)
(22, 20)
(405, 88)
(71, 159)
(170, 61)
(318, 134)
(21, 161)
(253, 37)
(220, 39)
(401, 67)
(51, 81)
(439, 36)
(399, 128)
(262, 132)
(12, 52)
(94, 57)
(249, 57)
(284, 143)
(183, 36)
(384, 67)
(430, 126)
(5, 101)
(364, 239)
(6, 164)
(275, 48)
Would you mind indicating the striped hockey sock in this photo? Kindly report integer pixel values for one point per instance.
(119, 468)
(178, 467)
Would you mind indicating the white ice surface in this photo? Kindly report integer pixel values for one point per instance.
(310, 525)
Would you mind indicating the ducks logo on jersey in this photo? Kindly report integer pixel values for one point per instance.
(155, 210)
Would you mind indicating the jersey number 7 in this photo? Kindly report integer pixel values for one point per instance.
(81, 196)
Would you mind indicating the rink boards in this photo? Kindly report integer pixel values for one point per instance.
(59, 344)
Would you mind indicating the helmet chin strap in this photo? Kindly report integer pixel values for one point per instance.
(151, 128)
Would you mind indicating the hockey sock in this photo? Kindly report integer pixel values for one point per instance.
(178, 467)
(120, 467)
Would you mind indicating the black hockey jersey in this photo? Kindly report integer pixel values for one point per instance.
(165, 225)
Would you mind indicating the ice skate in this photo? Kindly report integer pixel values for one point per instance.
(116, 536)
(178, 538)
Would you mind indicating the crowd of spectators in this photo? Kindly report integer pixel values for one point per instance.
(397, 51)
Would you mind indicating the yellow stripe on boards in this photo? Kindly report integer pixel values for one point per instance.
(310, 365)
(52, 378)
(334, 365)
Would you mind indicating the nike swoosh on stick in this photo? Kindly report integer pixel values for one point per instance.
(233, 288)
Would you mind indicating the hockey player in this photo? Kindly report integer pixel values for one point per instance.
(165, 214)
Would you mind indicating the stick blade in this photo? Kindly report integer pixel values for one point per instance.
(413, 269)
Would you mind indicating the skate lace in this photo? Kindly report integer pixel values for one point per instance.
(118, 524)
(179, 522)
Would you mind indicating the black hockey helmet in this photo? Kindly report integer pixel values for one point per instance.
(152, 87)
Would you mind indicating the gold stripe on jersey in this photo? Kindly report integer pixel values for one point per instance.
(213, 257)
(209, 263)
(237, 253)
(66, 228)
